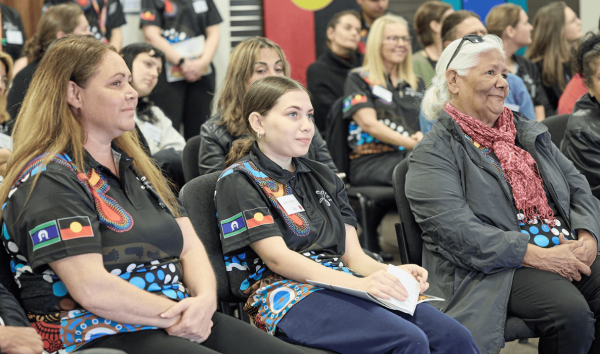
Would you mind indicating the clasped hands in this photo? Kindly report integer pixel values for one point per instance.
(385, 285)
(195, 317)
(569, 259)
(193, 69)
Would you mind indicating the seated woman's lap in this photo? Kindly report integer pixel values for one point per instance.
(375, 169)
(247, 340)
(561, 312)
(344, 323)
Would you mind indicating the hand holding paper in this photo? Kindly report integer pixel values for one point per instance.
(419, 273)
(383, 285)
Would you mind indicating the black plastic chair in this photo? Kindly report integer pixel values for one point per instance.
(410, 244)
(190, 158)
(557, 126)
(370, 203)
(198, 199)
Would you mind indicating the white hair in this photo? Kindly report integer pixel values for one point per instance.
(468, 57)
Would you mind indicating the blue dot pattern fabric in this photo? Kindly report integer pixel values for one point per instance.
(543, 235)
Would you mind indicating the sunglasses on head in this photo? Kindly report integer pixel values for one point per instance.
(473, 38)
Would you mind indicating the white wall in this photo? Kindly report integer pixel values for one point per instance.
(590, 14)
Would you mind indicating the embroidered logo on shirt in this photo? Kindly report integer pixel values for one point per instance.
(352, 101)
(233, 226)
(170, 8)
(324, 197)
(44, 235)
(258, 216)
(147, 16)
(75, 227)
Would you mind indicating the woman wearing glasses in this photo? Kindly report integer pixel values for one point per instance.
(381, 103)
(509, 225)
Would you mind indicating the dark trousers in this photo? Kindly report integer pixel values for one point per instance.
(375, 169)
(228, 335)
(346, 324)
(565, 315)
(185, 102)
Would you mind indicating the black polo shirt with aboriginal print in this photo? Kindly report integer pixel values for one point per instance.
(397, 107)
(103, 15)
(71, 212)
(180, 19)
(308, 208)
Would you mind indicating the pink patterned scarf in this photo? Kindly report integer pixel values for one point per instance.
(517, 164)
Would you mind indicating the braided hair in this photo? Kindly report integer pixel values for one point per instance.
(587, 58)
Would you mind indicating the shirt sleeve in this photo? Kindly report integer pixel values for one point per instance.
(213, 15)
(243, 212)
(342, 201)
(115, 17)
(357, 95)
(11, 312)
(56, 220)
(151, 13)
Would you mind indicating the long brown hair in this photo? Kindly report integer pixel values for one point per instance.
(46, 123)
(427, 12)
(502, 16)
(262, 95)
(8, 64)
(549, 43)
(63, 17)
(239, 71)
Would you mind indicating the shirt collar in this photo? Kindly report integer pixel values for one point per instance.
(90, 162)
(273, 170)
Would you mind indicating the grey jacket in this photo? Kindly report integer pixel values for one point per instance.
(472, 239)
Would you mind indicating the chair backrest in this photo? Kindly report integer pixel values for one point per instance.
(412, 230)
(336, 137)
(190, 158)
(197, 197)
(557, 126)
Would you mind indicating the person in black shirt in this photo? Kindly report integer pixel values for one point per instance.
(105, 18)
(510, 22)
(382, 103)
(325, 78)
(186, 94)
(251, 60)
(286, 220)
(556, 30)
(13, 33)
(56, 22)
(103, 254)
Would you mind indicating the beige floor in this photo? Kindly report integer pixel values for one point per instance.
(389, 243)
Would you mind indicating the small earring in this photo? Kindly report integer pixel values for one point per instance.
(258, 135)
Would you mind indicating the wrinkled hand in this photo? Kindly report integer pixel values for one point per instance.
(20, 340)
(196, 318)
(418, 273)
(382, 284)
(588, 251)
(562, 260)
(193, 69)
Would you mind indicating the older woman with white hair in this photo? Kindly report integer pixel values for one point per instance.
(381, 101)
(509, 225)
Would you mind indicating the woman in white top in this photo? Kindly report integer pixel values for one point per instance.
(165, 143)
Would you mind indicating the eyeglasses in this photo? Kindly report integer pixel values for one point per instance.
(473, 38)
(396, 39)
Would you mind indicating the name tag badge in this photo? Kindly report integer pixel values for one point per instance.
(382, 93)
(200, 6)
(290, 204)
(152, 132)
(14, 37)
(512, 107)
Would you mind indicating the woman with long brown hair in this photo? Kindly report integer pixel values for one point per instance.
(510, 23)
(556, 30)
(55, 23)
(102, 253)
(251, 60)
(286, 220)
